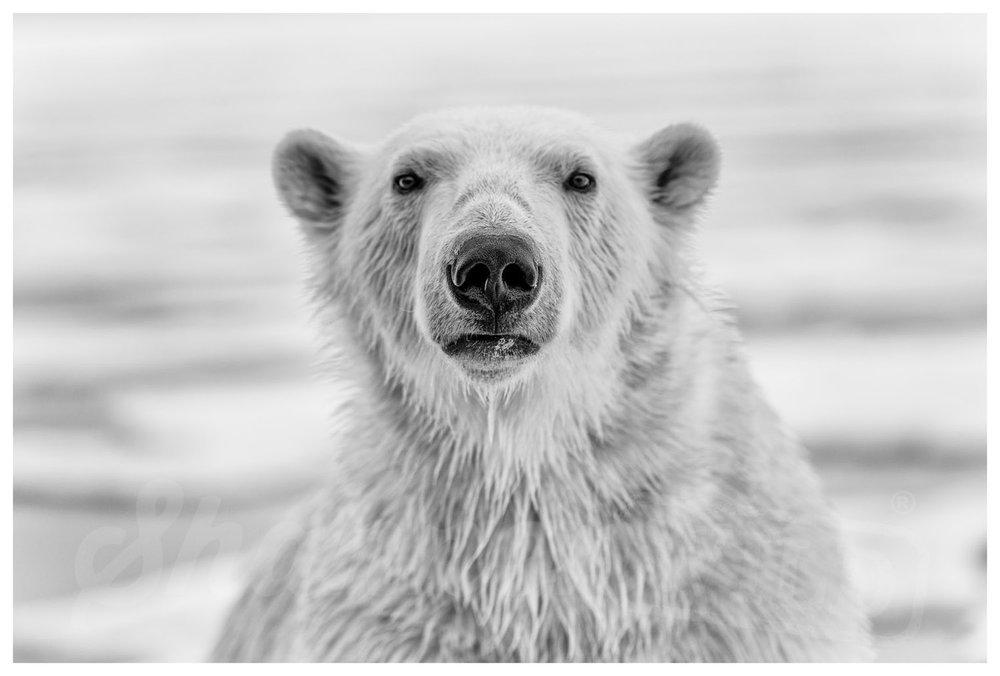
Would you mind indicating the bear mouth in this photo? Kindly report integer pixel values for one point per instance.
(485, 347)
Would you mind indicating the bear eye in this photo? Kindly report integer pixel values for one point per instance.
(580, 182)
(406, 183)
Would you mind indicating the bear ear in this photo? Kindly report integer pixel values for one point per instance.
(313, 174)
(679, 166)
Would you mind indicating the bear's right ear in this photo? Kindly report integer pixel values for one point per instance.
(313, 174)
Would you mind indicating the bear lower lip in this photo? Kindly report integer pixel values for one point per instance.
(489, 347)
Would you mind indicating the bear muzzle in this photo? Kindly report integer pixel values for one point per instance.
(495, 277)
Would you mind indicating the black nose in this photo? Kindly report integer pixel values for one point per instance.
(496, 274)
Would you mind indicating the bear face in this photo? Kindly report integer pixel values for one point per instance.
(483, 246)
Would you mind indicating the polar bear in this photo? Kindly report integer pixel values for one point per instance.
(555, 452)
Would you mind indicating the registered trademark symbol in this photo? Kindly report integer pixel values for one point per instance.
(903, 502)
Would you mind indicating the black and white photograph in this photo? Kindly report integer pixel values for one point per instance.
(499, 337)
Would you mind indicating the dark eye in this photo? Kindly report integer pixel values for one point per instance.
(407, 182)
(580, 182)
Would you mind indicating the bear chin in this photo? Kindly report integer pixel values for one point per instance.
(490, 357)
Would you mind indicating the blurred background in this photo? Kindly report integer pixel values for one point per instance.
(167, 411)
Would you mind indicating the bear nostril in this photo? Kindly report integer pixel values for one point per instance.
(475, 277)
(517, 278)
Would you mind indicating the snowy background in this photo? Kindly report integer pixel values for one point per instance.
(166, 411)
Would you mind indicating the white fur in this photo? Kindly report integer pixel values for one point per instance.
(625, 494)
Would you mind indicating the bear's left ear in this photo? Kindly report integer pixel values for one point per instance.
(679, 165)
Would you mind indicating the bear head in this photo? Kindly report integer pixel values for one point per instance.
(490, 247)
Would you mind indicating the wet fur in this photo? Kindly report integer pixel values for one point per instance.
(630, 496)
